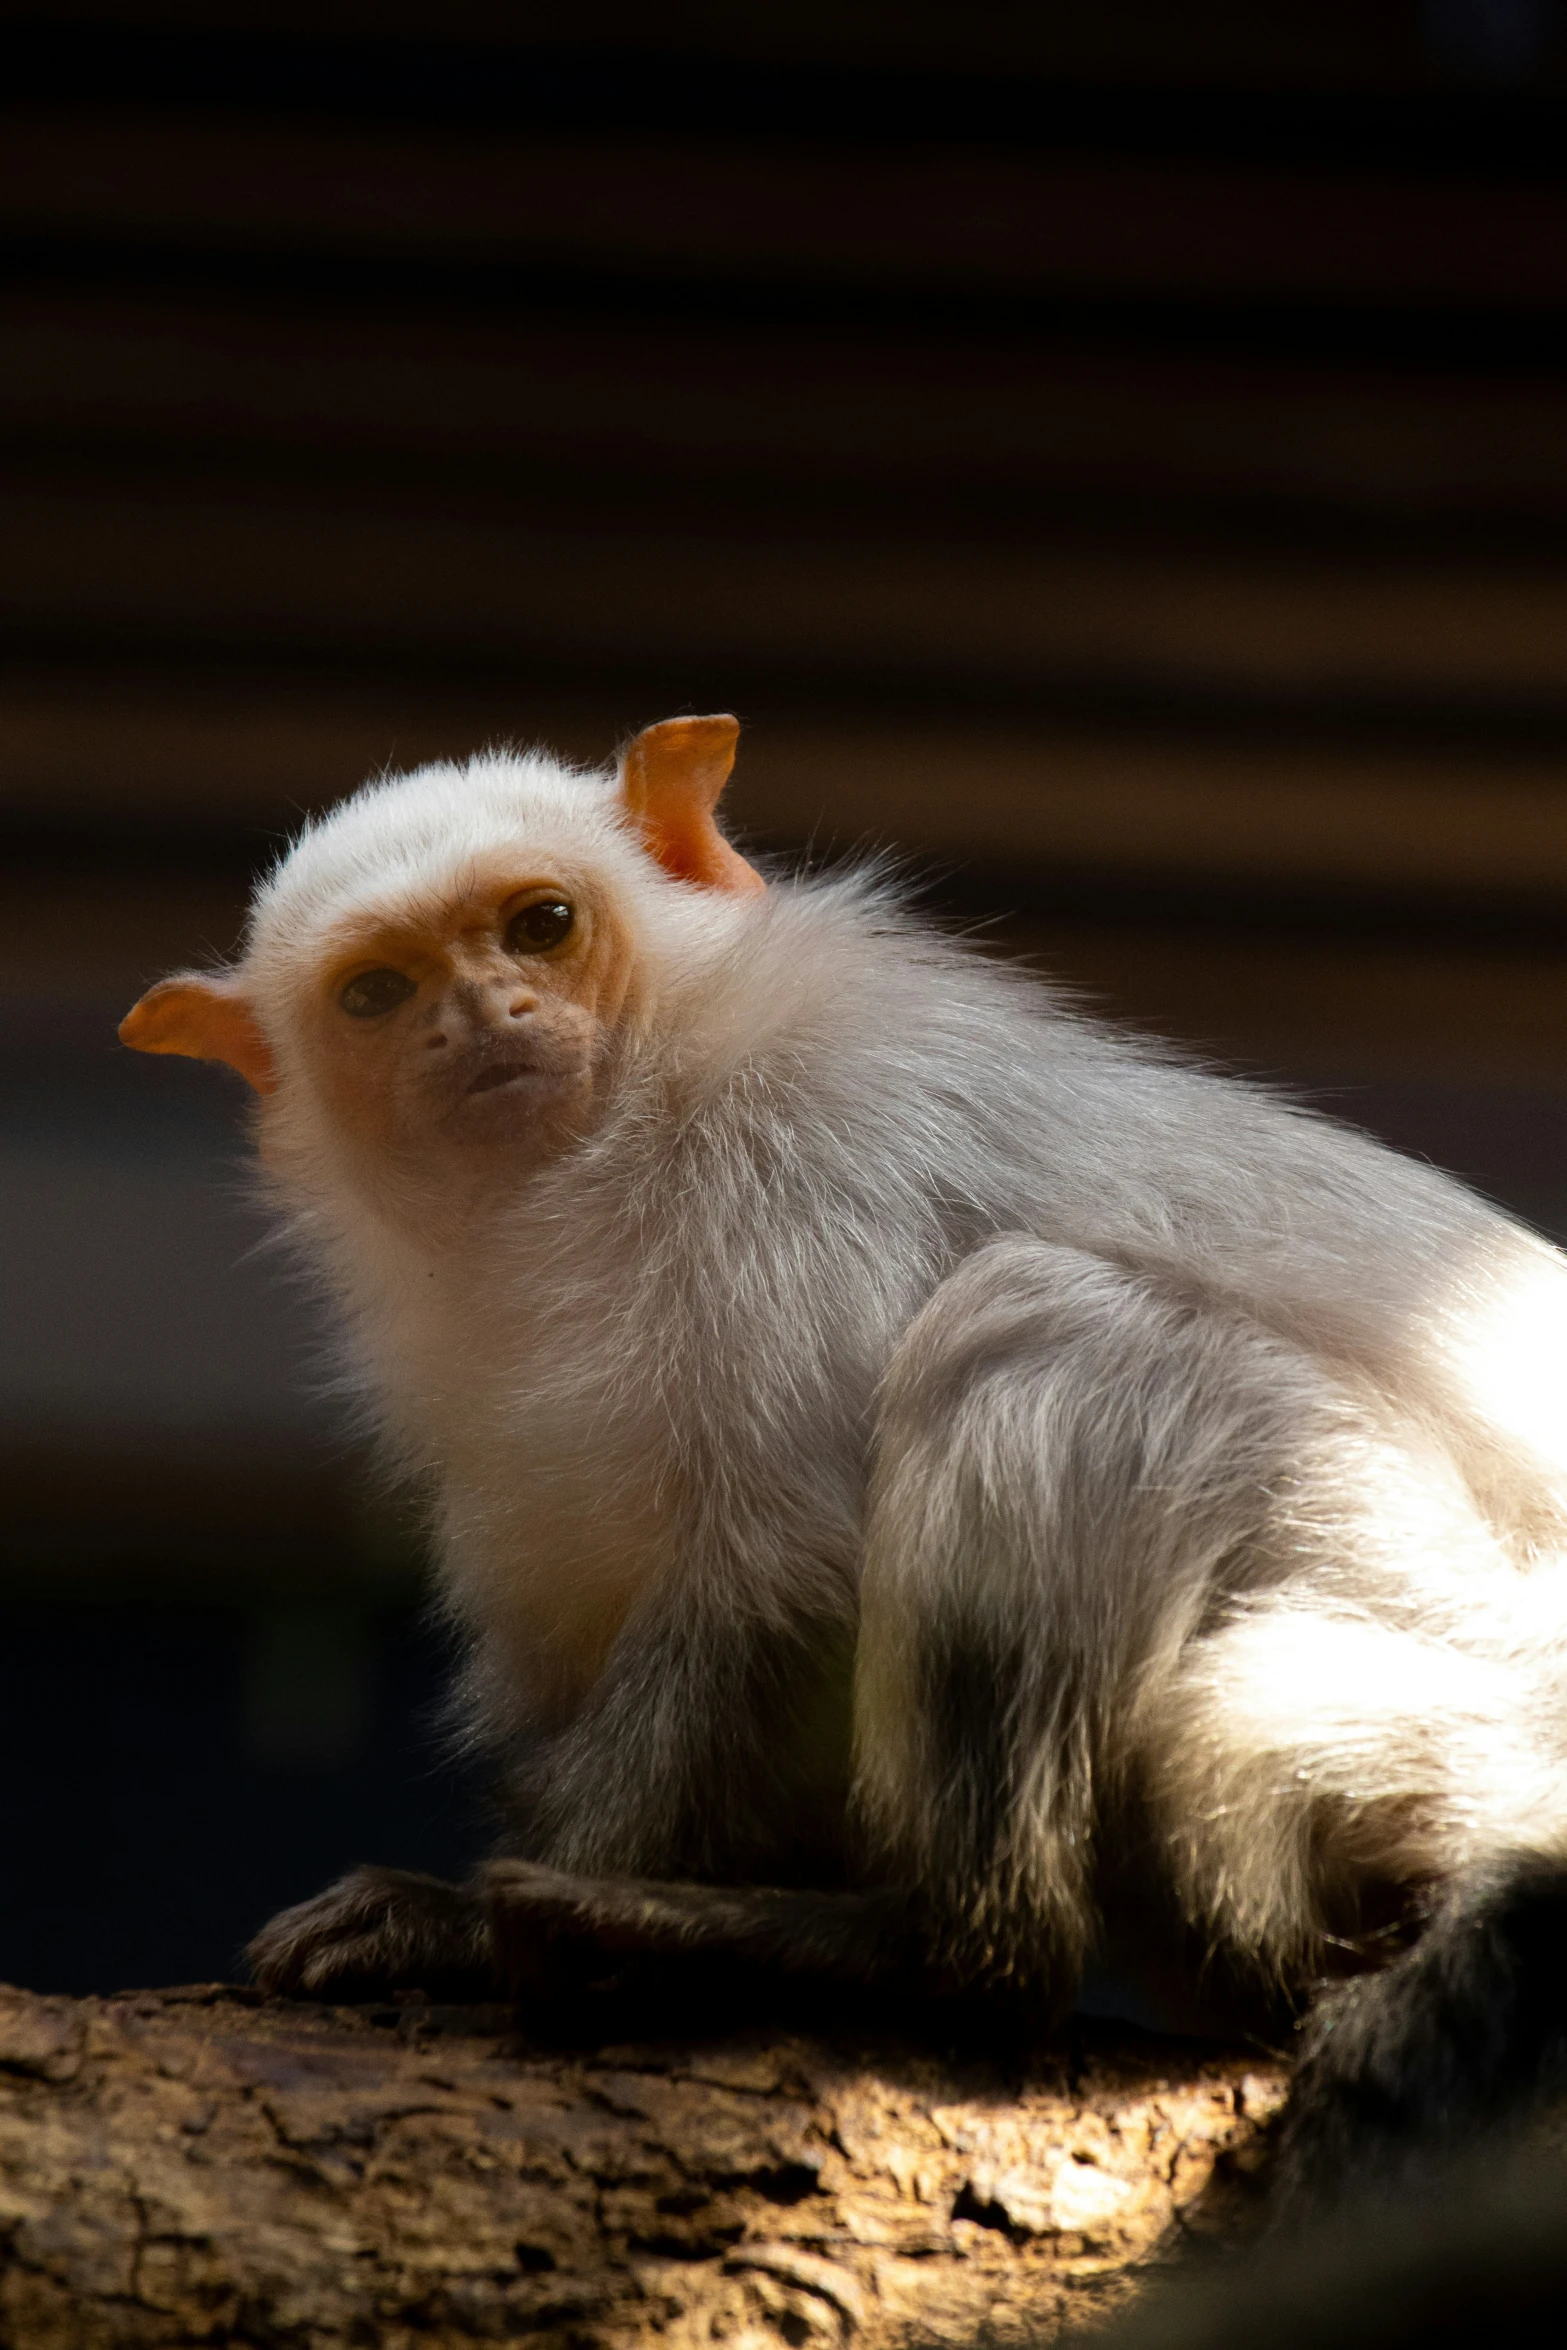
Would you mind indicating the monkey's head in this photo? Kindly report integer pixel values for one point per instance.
(442, 965)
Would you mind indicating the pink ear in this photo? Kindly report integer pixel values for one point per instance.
(671, 779)
(206, 1019)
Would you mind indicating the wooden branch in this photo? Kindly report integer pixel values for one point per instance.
(201, 2166)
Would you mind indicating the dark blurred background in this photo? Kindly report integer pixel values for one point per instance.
(1118, 454)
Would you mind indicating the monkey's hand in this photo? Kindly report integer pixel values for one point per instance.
(375, 1931)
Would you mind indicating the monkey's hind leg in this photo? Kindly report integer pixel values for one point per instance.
(1070, 1463)
(1369, 1755)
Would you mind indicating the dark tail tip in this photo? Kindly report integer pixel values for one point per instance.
(1462, 2034)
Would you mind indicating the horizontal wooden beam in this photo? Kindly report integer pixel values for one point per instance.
(160, 560)
(847, 409)
(835, 212)
(1325, 45)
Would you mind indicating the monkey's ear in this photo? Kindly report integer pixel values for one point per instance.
(207, 1019)
(670, 779)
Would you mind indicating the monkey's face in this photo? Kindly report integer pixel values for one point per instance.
(478, 1022)
(419, 982)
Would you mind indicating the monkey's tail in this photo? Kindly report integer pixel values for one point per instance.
(1464, 2033)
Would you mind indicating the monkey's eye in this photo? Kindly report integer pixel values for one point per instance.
(371, 993)
(539, 927)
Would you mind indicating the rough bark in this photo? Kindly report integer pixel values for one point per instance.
(200, 2166)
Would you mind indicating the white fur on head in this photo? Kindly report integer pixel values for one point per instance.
(410, 838)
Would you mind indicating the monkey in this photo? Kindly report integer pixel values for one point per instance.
(922, 1475)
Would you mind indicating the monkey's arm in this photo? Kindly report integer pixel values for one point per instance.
(530, 1933)
(713, 1752)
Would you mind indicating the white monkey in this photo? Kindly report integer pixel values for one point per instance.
(922, 1474)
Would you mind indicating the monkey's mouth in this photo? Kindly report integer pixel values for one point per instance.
(507, 1093)
(500, 1073)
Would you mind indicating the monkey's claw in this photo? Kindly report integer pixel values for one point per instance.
(375, 1931)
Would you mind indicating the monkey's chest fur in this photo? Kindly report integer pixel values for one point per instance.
(649, 1470)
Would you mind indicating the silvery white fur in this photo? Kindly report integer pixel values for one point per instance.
(924, 1437)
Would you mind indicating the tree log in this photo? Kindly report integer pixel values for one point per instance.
(203, 2166)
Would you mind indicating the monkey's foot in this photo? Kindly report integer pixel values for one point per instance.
(375, 1931)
